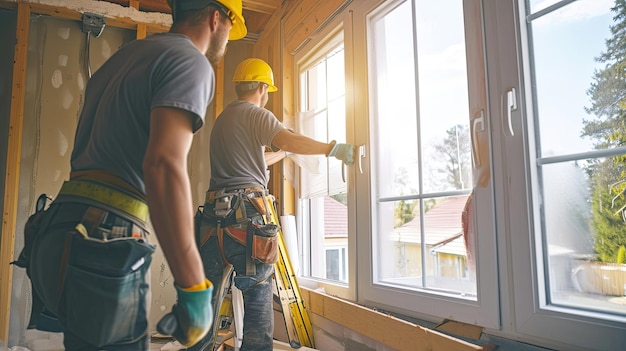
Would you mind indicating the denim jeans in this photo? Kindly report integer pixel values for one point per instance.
(258, 321)
(98, 290)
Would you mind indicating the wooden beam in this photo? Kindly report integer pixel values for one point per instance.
(62, 12)
(142, 30)
(141, 27)
(145, 5)
(14, 152)
(388, 330)
(261, 6)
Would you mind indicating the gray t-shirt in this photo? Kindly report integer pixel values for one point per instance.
(238, 141)
(163, 70)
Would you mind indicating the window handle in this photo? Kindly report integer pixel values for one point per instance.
(475, 129)
(511, 105)
(361, 156)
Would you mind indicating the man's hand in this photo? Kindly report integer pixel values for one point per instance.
(343, 152)
(191, 317)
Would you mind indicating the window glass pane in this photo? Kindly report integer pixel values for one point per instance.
(395, 103)
(537, 5)
(424, 250)
(579, 60)
(336, 69)
(328, 230)
(443, 96)
(567, 44)
(585, 231)
(419, 237)
(323, 193)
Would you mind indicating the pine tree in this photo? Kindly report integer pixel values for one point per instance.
(608, 90)
(608, 130)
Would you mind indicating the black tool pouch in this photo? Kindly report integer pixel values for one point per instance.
(34, 225)
(262, 242)
(106, 280)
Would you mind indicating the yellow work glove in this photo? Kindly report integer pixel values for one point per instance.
(191, 316)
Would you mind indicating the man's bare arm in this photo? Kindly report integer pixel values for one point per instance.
(299, 144)
(168, 192)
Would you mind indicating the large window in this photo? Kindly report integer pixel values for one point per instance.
(579, 103)
(490, 182)
(572, 131)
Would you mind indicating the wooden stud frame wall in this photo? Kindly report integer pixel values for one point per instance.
(11, 185)
(9, 216)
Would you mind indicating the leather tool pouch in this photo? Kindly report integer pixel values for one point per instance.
(106, 280)
(262, 241)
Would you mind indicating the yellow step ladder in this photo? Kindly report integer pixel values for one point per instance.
(296, 316)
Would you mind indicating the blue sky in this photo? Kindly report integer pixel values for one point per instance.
(566, 43)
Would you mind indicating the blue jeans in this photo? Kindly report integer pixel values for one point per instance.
(258, 321)
(98, 290)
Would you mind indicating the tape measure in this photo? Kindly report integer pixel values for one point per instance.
(107, 196)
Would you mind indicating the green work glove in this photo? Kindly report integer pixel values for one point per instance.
(343, 152)
(191, 317)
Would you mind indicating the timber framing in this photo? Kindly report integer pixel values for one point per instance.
(61, 12)
(11, 185)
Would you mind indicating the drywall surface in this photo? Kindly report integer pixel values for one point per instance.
(56, 78)
(108, 9)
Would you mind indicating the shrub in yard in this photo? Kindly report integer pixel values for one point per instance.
(621, 255)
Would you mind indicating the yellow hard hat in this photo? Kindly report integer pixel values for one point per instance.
(255, 70)
(233, 9)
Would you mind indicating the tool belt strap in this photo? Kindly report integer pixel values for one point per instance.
(89, 191)
(250, 191)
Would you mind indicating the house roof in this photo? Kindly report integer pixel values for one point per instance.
(455, 246)
(441, 223)
(335, 218)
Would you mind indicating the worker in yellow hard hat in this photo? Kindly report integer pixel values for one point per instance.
(234, 227)
(88, 254)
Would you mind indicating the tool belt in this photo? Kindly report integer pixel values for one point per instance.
(242, 213)
(105, 196)
(100, 266)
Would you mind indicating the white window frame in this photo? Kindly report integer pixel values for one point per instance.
(332, 34)
(417, 303)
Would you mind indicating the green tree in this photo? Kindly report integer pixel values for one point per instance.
(607, 128)
(404, 211)
(609, 227)
(608, 89)
(455, 150)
